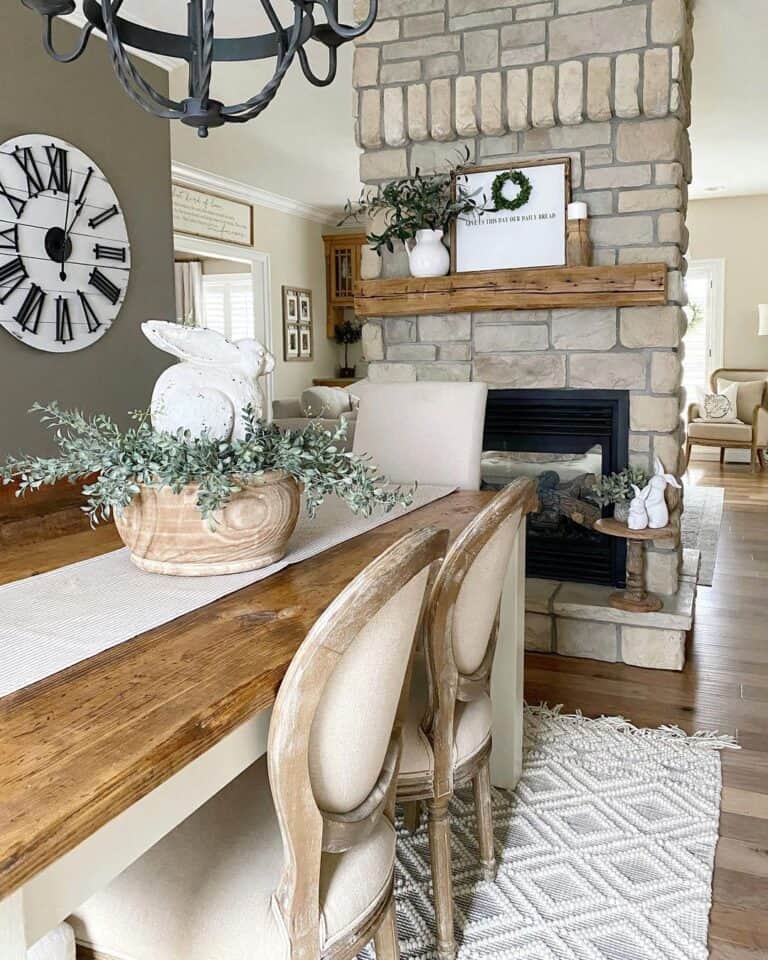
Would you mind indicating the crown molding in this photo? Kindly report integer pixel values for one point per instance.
(188, 176)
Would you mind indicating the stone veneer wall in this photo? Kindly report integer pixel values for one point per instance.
(605, 82)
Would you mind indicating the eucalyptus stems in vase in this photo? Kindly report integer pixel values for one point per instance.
(418, 211)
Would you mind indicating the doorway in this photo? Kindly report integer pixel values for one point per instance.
(703, 354)
(226, 288)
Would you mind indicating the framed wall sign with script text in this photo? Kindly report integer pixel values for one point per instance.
(524, 223)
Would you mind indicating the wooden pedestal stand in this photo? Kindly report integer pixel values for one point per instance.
(635, 598)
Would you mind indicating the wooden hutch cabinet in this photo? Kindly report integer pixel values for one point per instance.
(343, 254)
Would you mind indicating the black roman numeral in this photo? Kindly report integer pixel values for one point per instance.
(9, 239)
(63, 321)
(89, 313)
(26, 160)
(105, 286)
(17, 204)
(58, 179)
(103, 217)
(28, 316)
(84, 188)
(14, 272)
(109, 253)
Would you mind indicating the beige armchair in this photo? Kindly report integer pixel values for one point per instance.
(750, 432)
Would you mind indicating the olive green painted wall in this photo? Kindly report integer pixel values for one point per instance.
(83, 103)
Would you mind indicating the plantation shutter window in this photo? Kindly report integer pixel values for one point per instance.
(228, 305)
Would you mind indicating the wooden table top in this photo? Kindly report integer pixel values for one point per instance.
(78, 748)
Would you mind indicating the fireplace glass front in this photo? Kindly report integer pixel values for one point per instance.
(563, 439)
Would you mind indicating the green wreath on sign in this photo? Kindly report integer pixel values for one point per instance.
(520, 199)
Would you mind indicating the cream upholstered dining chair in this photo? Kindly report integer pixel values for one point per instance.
(749, 432)
(447, 733)
(431, 432)
(308, 874)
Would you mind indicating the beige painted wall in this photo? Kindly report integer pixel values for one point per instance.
(734, 229)
(297, 259)
(84, 104)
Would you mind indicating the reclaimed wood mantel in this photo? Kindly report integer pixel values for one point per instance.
(543, 288)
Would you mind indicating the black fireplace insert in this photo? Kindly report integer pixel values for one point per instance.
(563, 439)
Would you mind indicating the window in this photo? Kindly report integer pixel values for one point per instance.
(228, 304)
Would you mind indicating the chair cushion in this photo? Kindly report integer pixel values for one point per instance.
(705, 430)
(471, 730)
(326, 402)
(204, 891)
(750, 395)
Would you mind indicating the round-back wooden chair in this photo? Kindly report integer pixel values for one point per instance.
(447, 734)
(303, 870)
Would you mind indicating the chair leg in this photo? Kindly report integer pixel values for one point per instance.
(412, 815)
(385, 939)
(442, 882)
(688, 448)
(722, 456)
(481, 786)
(761, 458)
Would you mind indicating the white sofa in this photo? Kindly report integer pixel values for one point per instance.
(326, 406)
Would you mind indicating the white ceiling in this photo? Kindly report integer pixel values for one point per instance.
(303, 147)
(729, 131)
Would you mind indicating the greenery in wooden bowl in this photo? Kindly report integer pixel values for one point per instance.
(125, 460)
(415, 203)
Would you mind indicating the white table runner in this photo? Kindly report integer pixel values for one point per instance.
(54, 620)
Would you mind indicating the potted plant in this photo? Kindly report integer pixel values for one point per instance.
(199, 505)
(616, 488)
(418, 211)
(347, 333)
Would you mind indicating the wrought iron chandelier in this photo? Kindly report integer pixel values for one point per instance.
(201, 49)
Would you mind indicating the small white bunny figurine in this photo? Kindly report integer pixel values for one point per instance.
(638, 512)
(655, 502)
(210, 387)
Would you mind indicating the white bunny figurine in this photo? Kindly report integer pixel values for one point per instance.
(655, 501)
(638, 513)
(210, 387)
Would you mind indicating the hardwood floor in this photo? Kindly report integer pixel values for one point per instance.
(724, 686)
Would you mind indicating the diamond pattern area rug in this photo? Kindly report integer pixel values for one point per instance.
(605, 850)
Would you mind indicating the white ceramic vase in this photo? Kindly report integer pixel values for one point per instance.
(428, 256)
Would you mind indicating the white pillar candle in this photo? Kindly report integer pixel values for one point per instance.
(577, 211)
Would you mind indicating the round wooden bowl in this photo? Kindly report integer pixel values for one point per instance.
(166, 533)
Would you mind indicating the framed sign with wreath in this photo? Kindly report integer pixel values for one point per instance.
(523, 223)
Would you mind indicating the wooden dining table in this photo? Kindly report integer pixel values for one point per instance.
(99, 761)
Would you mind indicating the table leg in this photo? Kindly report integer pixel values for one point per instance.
(636, 598)
(13, 945)
(507, 676)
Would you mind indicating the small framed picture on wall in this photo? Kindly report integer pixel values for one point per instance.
(297, 324)
(292, 341)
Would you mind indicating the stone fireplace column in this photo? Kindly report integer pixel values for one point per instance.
(510, 80)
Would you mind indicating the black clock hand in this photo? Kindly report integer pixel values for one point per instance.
(65, 233)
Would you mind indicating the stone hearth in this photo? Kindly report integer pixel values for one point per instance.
(607, 85)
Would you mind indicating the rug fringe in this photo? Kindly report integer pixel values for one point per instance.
(702, 739)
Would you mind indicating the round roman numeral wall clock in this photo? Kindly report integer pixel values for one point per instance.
(65, 258)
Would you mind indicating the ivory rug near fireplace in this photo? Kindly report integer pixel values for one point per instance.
(605, 850)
